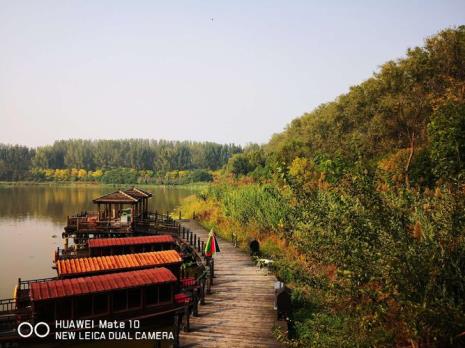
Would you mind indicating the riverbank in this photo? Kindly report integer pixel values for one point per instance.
(340, 249)
(197, 185)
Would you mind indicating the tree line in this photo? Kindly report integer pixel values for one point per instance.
(158, 156)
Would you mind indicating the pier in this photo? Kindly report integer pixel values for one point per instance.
(239, 311)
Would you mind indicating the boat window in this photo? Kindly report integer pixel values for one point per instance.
(64, 309)
(120, 300)
(83, 306)
(100, 303)
(151, 295)
(134, 298)
(165, 293)
(45, 311)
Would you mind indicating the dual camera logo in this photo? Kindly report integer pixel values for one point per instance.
(26, 329)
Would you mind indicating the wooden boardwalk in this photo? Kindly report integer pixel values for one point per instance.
(239, 311)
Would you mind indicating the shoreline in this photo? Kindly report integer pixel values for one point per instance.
(196, 185)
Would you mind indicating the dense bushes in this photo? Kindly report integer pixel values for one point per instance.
(368, 266)
(396, 260)
(447, 133)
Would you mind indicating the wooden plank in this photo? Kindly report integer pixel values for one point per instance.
(239, 312)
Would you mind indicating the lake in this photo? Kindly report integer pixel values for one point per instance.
(32, 218)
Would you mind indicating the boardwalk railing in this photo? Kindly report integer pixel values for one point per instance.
(92, 221)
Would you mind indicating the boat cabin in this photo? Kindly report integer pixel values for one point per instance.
(116, 296)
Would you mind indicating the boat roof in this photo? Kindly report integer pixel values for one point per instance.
(109, 242)
(101, 264)
(53, 289)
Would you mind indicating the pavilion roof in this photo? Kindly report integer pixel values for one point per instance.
(129, 196)
(116, 197)
(138, 193)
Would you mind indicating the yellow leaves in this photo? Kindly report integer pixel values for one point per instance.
(74, 172)
(97, 174)
(299, 167)
(304, 172)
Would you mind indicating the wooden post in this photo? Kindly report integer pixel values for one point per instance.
(209, 284)
(18, 289)
(177, 320)
(202, 291)
(198, 244)
(203, 248)
(180, 216)
(212, 268)
(195, 304)
(195, 240)
(187, 314)
(190, 237)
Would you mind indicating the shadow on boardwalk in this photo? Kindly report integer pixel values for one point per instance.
(239, 312)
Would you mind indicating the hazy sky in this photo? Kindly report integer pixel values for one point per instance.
(165, 69)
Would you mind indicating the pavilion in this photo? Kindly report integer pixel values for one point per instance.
(113, 206)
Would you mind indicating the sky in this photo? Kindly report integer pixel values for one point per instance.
(222, 71)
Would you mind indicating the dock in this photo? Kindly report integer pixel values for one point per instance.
(239, 311)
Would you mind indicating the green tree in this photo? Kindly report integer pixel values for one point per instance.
(447, 136)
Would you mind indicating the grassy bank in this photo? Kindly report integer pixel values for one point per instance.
(368, 266)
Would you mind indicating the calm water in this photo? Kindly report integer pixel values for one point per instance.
(32, 220)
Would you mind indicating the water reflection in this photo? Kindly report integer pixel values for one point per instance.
(32, 220)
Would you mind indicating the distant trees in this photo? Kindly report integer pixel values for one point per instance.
(112, 157)
(15, 162)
